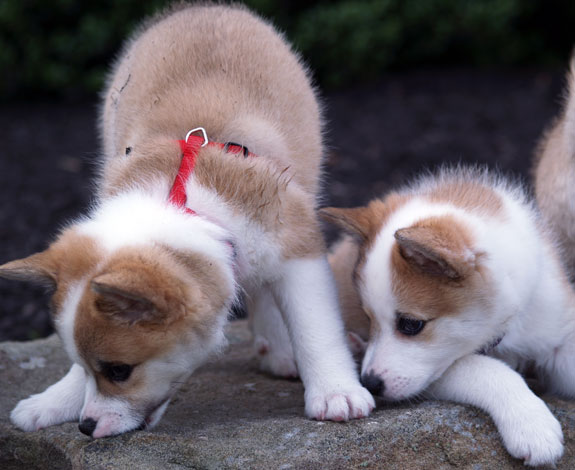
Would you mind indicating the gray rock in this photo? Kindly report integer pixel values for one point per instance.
(230, 416)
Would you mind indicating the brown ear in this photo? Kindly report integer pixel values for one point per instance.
(436, 250)
(355, 221)
(38, 268)
(126, 298)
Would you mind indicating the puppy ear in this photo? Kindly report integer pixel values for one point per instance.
(356, 344)
(38, 268)
(436, 248)
(126, 298)
(355, 221)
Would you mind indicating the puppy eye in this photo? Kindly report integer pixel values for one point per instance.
(409, 326)
(116, 372)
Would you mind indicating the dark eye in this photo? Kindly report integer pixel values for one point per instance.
(116, 372)
(409, 326)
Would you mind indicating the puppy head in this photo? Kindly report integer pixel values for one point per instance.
(427, 294)
(138, 319)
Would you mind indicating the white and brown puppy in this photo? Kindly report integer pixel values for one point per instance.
(555, 175)
(452, 286)
(144, 283)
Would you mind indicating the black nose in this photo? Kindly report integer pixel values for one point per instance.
(373, 383)
(87, 426)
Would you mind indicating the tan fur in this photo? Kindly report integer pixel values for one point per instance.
(343, 259)
(179, 73)
(554, 175)
(261, 90)
(145, 305)
(470, 196)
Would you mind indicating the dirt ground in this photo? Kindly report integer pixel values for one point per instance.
(378, 136)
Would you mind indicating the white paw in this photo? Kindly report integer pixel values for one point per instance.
(535, 437)
(39, 411)
(350, 402)
(276, 362)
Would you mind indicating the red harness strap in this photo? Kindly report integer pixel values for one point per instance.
(190, 149)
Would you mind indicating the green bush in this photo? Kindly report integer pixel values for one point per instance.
(63, 47)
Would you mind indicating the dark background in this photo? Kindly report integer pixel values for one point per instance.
(407, 85)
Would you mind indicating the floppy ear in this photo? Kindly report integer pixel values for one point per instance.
(138, 296)
(357, 345)
(435, 251)
(38, 268)
(355, 221)
(119, 296)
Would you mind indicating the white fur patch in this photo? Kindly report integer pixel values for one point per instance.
(58, 404)
(67, 317)
(137, 218)
(306, 295)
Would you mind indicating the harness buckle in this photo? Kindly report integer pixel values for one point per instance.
(243, 148)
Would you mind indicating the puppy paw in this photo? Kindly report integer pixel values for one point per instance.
(276, 362)
(352, 402)
(535, 437)
(38, 412)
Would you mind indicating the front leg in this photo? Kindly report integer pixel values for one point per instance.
(307, 298)
(58, 404)
(529, 430)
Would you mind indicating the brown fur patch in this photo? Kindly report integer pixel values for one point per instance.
(421, 294)
(470, 195)
(67, 260)
(186, 290)
(426, 296)
(366, 222)
(265, 193)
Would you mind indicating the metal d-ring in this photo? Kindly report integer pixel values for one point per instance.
(204, 135)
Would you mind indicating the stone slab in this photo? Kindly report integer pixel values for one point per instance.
(231, 416)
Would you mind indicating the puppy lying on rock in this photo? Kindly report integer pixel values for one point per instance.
(451, 287)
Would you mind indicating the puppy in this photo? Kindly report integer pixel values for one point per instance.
(451, 285)
(555, 176)
(184, 220)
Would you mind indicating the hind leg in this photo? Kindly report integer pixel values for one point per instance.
(271, 340)
(559, 371)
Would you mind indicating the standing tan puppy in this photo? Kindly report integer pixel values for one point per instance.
(555, 176)
(184, 220)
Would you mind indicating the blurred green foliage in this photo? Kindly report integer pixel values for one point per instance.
(63, 47)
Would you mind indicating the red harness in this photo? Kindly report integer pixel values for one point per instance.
(190, 149)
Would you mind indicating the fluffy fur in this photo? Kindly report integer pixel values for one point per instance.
(451, 288)
(555, 175)
(142, 289)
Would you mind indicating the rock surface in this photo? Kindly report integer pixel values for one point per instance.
(230, 416)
